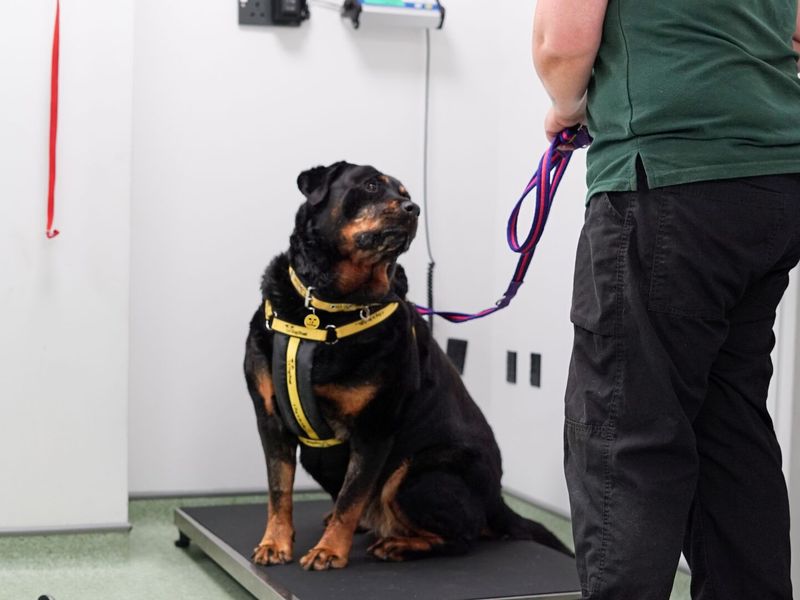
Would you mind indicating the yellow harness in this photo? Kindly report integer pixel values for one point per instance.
(292, 365)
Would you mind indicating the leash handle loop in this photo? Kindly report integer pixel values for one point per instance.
(545, 181)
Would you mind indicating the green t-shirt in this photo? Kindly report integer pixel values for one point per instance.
(700, 89)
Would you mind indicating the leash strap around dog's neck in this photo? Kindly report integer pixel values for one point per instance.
(546, 179)
(291, 373)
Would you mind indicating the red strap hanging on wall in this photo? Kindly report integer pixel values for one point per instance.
(51, 200)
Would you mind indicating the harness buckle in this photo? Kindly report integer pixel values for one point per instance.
(332, 329)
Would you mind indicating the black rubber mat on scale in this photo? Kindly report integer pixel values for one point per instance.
(493, 569)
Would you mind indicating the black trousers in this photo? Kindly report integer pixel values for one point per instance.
(668, 443)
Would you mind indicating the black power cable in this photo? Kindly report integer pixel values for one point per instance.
(431, 262)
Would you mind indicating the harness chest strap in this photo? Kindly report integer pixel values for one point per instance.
(291, 367)
(292, 358)
(330, 334)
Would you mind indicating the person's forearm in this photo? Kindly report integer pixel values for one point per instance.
(566, 38)
(564, 78)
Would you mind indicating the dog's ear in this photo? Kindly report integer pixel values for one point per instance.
(315, 182)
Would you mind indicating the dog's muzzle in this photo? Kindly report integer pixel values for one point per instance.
(386, 240)
(396, 232)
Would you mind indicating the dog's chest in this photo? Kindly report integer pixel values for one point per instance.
(316, 409)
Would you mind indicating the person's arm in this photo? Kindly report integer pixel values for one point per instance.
(566, 37)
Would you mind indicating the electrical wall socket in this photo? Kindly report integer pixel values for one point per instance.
(255, 12)
(536, 370)
(457, 352)
(273, 12)
(511, 367)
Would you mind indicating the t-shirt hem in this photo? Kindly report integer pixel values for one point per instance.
(610, 185)
(730, 171)
(697, 174)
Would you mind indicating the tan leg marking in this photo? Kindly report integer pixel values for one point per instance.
(349, 400)
(397, 536)
(384, 516)
(275, 547)
(333, 549)
(264, 384)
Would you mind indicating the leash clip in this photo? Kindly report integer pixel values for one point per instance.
(335, 335)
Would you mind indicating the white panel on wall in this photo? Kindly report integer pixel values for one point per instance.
(64, 302)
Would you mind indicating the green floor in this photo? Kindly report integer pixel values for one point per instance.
(145, 565)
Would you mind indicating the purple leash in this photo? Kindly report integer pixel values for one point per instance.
(545, 180)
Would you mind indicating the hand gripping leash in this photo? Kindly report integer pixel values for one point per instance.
(545, 181)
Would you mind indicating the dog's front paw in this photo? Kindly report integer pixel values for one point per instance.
(321, 558)
(272, 553)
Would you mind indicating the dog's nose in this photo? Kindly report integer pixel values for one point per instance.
(409, 207)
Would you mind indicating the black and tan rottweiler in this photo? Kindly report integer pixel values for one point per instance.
(340, 362)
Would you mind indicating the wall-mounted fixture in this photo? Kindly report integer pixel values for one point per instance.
(428, 14)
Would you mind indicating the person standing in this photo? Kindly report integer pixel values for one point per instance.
(691, 229)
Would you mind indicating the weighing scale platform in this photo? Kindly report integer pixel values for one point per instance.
(493, 570)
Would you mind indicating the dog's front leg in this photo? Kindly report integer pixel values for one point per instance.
(280, 451)
(333, 548)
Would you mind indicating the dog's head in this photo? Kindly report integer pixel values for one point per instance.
(354, 224)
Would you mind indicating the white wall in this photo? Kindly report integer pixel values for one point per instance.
(528, 421)
(64, 302)
(226, 118)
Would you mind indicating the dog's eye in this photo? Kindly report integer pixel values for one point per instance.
(371, 187)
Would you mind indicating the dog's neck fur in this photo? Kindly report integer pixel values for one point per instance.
(340, 279)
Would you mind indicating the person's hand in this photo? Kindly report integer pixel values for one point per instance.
(557, 120)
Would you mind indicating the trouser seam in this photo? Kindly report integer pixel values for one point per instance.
(609, 432)
(701, 521)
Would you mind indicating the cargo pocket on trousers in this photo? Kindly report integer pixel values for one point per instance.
(594, 374)
(598, 263)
